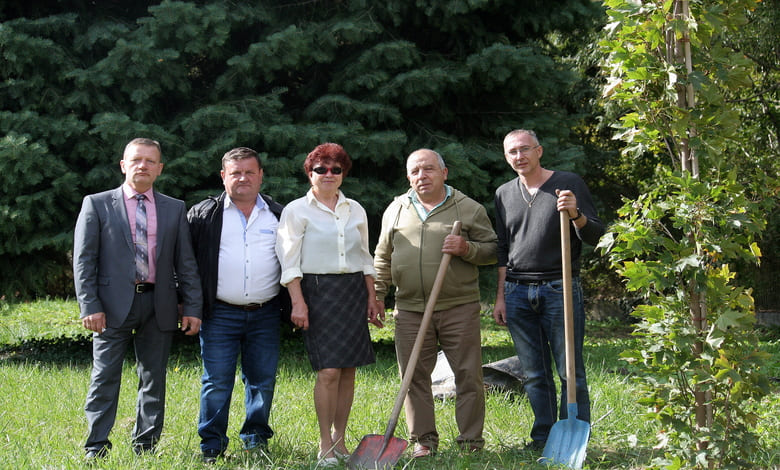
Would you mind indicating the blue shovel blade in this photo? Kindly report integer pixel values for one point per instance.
(567, 441)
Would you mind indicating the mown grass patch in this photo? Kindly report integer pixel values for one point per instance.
(44, 383)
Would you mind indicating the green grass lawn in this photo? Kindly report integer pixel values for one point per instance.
(44, 373)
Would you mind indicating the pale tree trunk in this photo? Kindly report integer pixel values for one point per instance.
(685, 97)
(697, 299)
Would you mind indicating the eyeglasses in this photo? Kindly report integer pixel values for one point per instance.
(321, 170)
(521, 150)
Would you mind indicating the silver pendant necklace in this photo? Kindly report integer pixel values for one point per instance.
(530, 202)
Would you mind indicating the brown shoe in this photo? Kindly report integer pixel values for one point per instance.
(421, 451)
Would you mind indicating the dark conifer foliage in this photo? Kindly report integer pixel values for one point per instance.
(78, 79)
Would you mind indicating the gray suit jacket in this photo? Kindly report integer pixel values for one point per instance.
(104, 260)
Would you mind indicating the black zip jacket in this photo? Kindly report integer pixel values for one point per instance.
(205, 220)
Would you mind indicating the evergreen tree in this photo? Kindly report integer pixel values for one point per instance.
(78, 81)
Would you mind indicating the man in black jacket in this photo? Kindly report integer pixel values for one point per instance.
(234, 236)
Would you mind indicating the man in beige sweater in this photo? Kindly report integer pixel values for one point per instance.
(415, 233)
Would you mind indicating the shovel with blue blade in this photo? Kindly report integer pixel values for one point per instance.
(568, 437)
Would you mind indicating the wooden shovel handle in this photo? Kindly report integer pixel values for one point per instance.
(418, 342)
(568, 310)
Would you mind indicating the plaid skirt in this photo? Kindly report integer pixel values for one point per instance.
(338, 331)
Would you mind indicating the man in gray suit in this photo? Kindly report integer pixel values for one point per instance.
(132, 254)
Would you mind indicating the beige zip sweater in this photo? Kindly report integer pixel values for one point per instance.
(408, 253)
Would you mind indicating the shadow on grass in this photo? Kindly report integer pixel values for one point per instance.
(185, 349)
(55, 351)
(65, 350)
(185, 352)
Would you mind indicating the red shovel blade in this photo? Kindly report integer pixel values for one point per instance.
(377, 452)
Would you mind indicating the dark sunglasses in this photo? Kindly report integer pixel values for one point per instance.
(321, 170)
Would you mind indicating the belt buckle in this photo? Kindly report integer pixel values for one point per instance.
(140, 288)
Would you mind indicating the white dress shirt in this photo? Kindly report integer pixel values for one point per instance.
(314, 239)
(248, 267)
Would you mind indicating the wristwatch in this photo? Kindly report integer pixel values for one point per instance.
(579, 214)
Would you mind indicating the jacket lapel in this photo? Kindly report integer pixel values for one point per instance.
(161, 206)
(118, 202)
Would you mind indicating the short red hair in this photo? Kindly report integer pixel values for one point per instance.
(328, 153)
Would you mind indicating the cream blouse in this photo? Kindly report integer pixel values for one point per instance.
(314, 239)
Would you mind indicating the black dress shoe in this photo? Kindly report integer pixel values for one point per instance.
(210, 456)
(535, 446)
(141, 449)
(94, 454)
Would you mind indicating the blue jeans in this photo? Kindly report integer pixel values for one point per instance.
(255, 335)
(534, 316)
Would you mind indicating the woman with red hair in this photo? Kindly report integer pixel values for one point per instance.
(322, 245)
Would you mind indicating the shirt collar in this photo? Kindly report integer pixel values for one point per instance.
(312, 200)
(421, 211)
(130, 193)
(259, 202)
